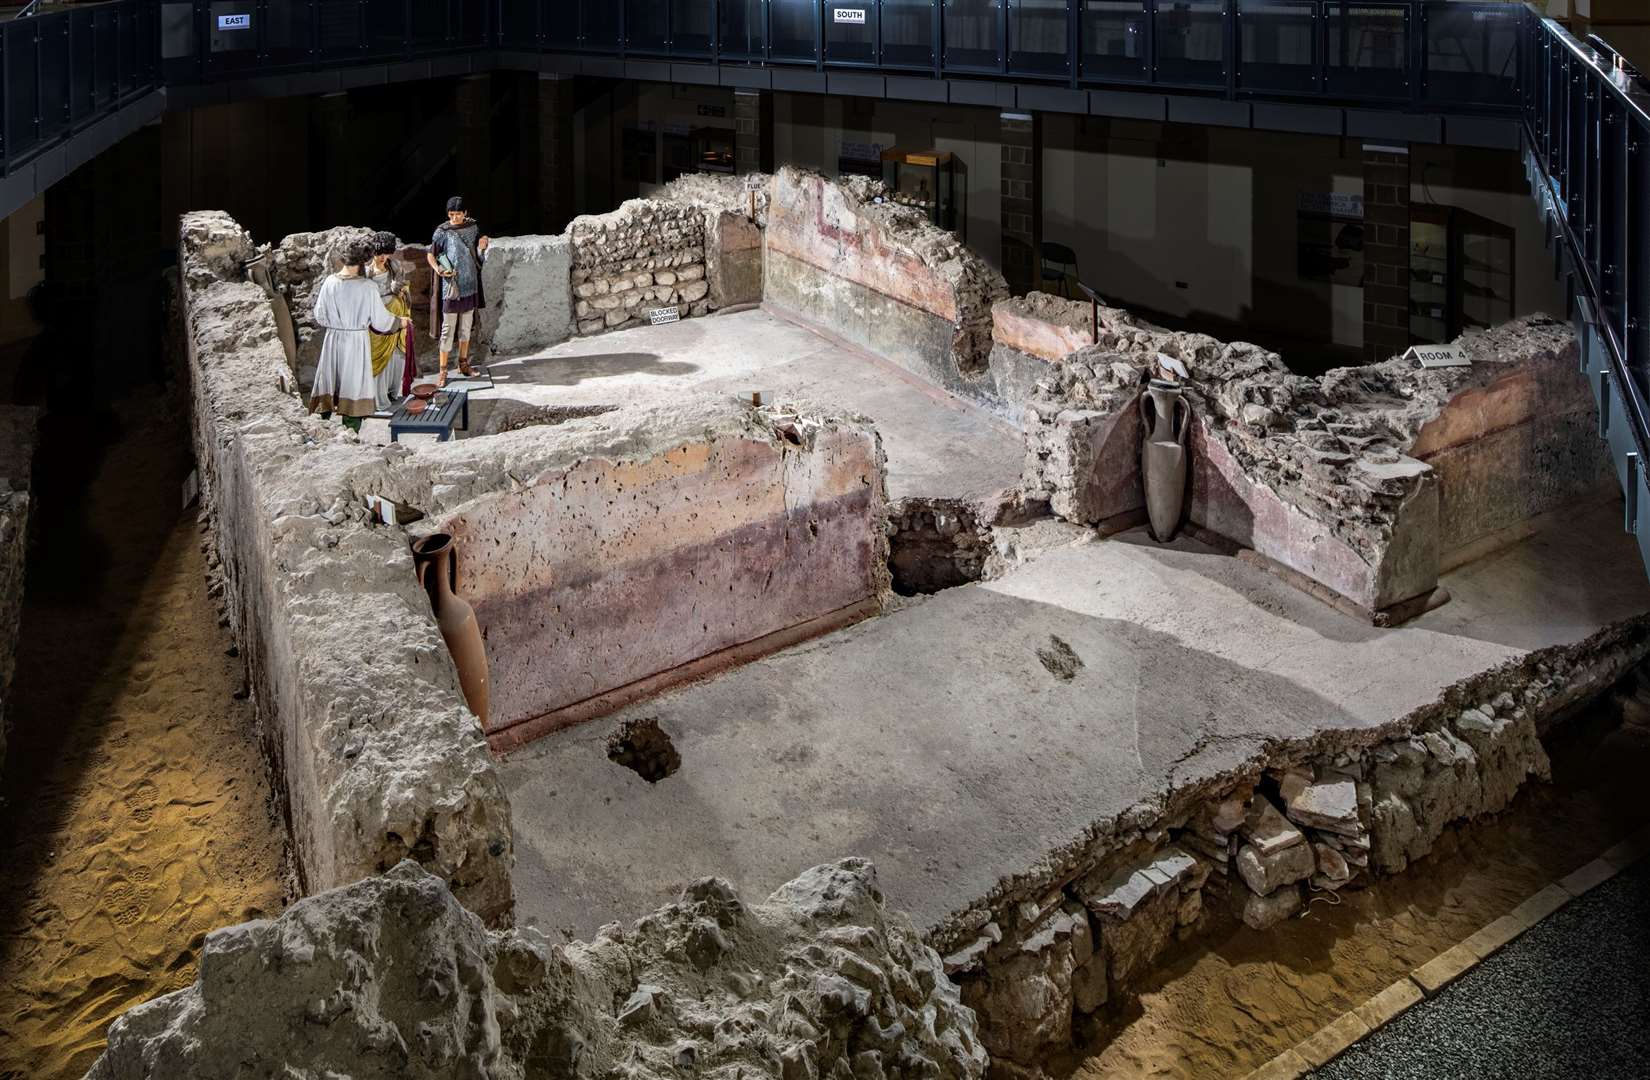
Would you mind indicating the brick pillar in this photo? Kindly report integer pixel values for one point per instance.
(1022, 199)
(474, 101)
(753, 131)
(555, 195)
(1386, 251)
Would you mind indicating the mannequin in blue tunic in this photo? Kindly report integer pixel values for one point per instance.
(456, 253)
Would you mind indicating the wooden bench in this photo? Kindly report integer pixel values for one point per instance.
(436, 419)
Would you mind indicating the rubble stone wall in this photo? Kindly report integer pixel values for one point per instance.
(647, 254)
(1078, 933)
(18, 428)
(881, 276)
(618, 548)
(735, 209)
(376, 758)
(390, 978)
(1363, 481)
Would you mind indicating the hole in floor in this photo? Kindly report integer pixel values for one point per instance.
(642, 746)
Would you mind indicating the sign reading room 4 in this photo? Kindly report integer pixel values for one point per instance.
(853, 15)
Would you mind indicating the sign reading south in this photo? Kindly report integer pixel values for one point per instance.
(852, 15)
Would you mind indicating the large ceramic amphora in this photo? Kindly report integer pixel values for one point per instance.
(435, 558)
(1165, 418)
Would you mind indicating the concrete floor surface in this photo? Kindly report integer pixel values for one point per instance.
(934, 741)
(937, 444)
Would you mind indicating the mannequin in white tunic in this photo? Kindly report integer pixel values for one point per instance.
(347, 305)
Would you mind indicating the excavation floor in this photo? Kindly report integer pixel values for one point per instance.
(136, 812)
(937, 445)
(935, 741)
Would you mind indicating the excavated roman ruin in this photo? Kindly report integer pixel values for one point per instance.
(391, 978)
(614, 551)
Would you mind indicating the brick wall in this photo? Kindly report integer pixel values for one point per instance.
(1386, 253)
(753, 131)
(1021, 202)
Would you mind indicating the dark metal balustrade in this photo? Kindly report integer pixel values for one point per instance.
(63, 70)
(1416, 54)
(1587, 154)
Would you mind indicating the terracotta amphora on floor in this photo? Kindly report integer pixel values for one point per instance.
(435, 558)
(1166, 418)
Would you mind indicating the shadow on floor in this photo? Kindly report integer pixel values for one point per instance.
(573, 370)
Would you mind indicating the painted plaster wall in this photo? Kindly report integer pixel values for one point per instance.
(375, 756)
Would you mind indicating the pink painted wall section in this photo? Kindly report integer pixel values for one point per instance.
(1226, 501)
(609, 572)
(814, 221)
(1043, 338)
(1518, 446)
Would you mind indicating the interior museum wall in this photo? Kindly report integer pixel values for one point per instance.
(1192, 223)
(809, 130)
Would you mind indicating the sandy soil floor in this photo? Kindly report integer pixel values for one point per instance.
(1237, 998)
(137, 813)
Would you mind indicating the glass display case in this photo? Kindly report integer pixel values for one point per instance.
(1461, 272)
(927, 180)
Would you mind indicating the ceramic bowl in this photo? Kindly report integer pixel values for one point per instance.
(416, 405)
(424, 390)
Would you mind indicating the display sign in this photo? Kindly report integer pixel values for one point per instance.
(1439, 356)
(1335, 204)
(662, 315)
(235, 22)
(853, 16)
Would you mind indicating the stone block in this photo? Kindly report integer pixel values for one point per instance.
(1444, 969)
(1389, 1004)
(563, 566)
(1265, 873)
(529, 297)
(1264, 912)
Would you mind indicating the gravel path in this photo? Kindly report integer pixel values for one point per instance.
(1571, 998)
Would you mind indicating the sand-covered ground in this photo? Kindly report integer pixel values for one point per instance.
(137, 813)
(1237, 998)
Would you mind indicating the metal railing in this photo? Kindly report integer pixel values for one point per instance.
(63, 70)
(211, 41)
(1460, 54)
(1587, 136)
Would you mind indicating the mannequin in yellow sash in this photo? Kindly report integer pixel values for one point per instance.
(391, 372)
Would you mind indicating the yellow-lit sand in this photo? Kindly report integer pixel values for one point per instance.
(137, 811)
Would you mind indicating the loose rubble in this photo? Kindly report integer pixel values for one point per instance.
(392, 978)
(1258, 845)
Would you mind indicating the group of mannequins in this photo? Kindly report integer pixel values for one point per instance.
(367, 357)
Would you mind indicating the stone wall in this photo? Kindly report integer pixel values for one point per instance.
(391, 979)
(1364, 481)
(881, 276)
(1077, 934)
(375, 756)
(18, 428)
(606, 553)
(529, 306)
(647, 254)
